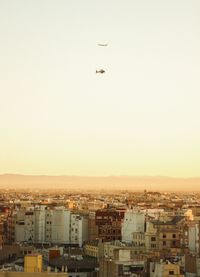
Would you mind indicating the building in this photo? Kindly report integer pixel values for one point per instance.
(29, 223)
(134, 221)
(91, 248)
(40, 222)
(60, 226)
(165, 236)
(33, 263)
(77, 265)
(109, 222)
(122, 261)
(92, 227)
(164, 269)
(194, 237)
(78, 229)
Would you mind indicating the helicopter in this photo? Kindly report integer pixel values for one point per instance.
(100, 71)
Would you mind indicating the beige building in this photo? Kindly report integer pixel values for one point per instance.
(139, 240)
(166, 236)
(122, 263)
(164, 269)
(91, 249)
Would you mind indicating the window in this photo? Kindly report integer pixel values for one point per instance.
(174, 236)
(153, 239)
(171, 272)
(164, 243)
(164, 236)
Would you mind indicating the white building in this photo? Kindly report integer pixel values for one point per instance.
(48, 220)
(79, 229)
(60, 226)
(134, 221)
(56, 226)
(39, 217)
(29, 223)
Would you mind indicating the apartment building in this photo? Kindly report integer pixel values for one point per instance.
(164, 269)
(165, 236)
(78, 229)
(40, 225)
(134, 221)
(109, 222)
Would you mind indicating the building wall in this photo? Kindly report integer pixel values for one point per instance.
(84, 230)
(91, 249)
(57, 226)
(29, 226)
(9, 251)
(134, 221)
(20, 231)
(33, 263)
(109, 222)
(164, 270)
(92, 227)
(60, 226)
(40, 216)
(48, 223)
(139, 239)
(193, 237)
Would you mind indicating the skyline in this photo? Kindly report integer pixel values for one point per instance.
(139, 118)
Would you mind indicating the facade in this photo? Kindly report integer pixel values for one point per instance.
(109, 222)
(91, 248)
(19, 220)
(11, 230)
(134, 221)
(39, 221)
(40, 225)
(166, 236)
(194, 237)
(33, 263)
(122, 262)
(29, 223)
(60, 226)
(78, 229)
(48, 222)
(92, 227)
(138, 240)
(164, 269)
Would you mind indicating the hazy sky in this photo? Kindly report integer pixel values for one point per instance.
(140, 118)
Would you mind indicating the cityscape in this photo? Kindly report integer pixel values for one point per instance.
(99, 138)
(92, 233)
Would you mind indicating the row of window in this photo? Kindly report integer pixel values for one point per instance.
(164, 236)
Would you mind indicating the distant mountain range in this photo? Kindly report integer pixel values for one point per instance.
(136, 183)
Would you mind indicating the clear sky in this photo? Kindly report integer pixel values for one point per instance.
(142, 117)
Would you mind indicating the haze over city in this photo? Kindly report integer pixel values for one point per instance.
(139, 118)
(100, 138)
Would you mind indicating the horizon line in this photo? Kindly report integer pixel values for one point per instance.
(99, 176)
